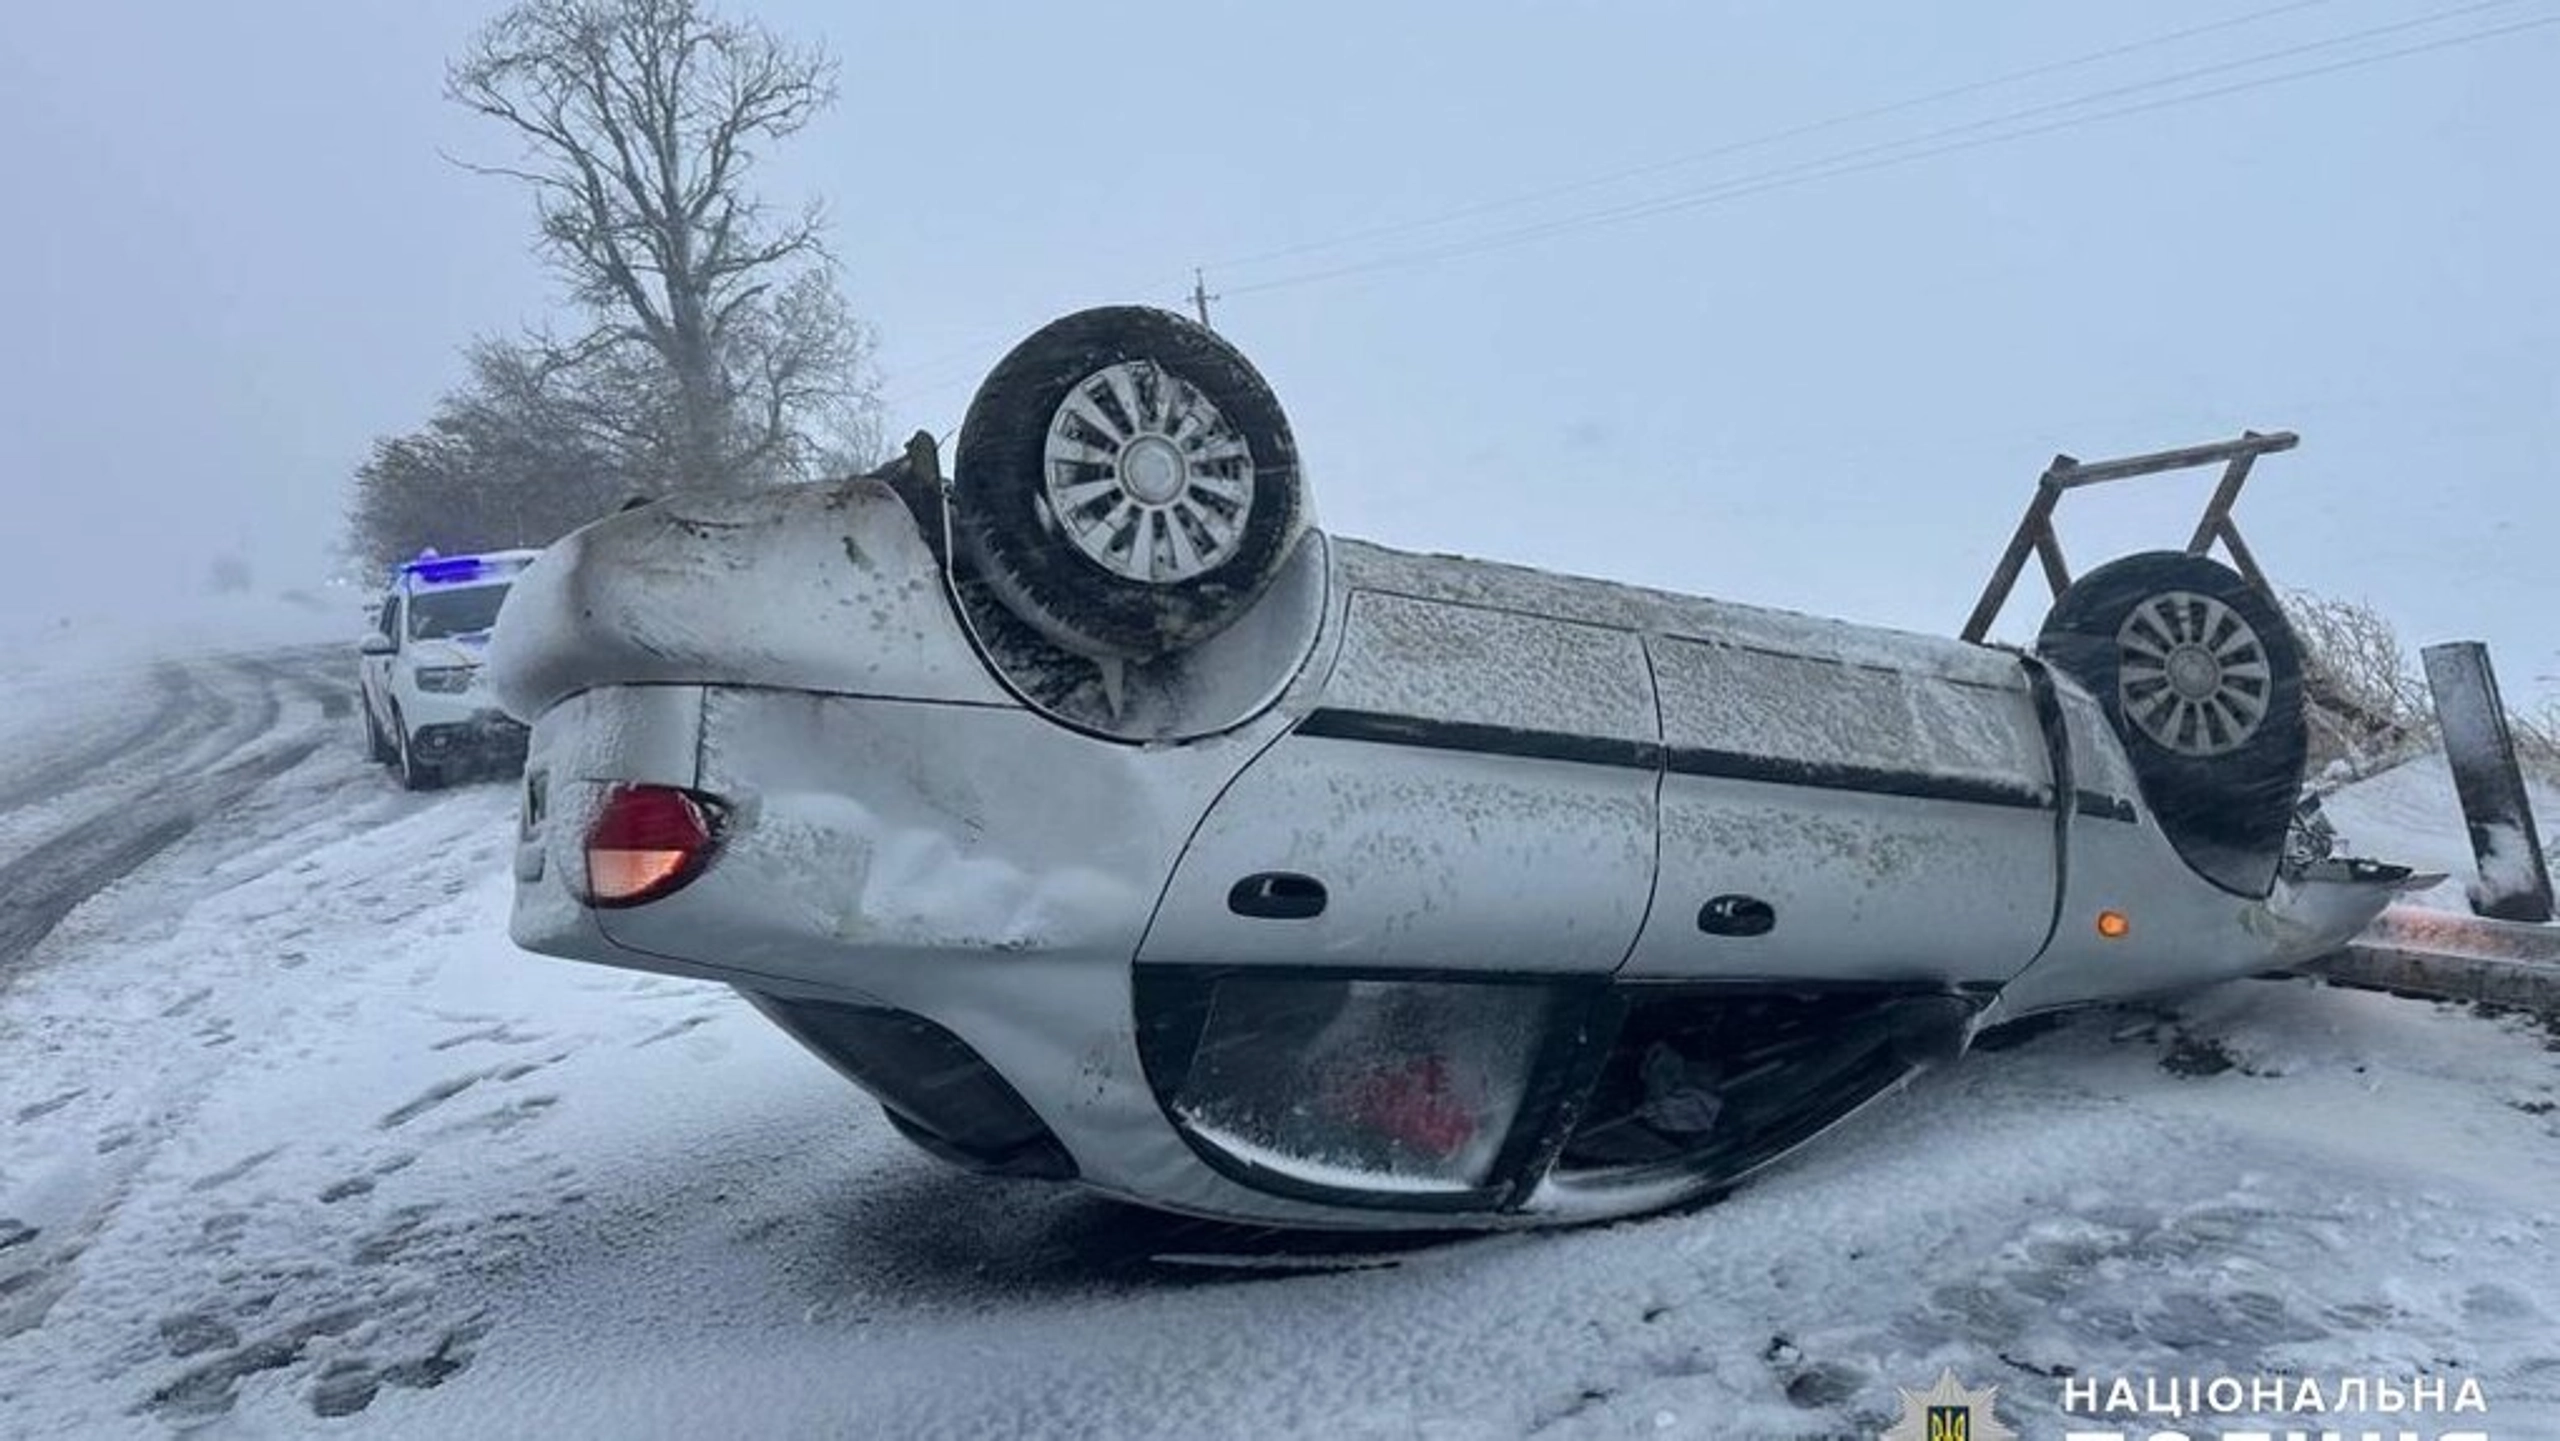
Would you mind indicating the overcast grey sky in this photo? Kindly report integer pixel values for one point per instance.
(235, 256)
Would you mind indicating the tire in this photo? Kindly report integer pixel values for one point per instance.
(2201, 676)
(377, 749)
(1126, 483)
(415, 774)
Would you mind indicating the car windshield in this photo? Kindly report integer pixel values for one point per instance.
(437, 613)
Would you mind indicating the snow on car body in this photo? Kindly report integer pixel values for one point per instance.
(1413, 891)
(419, 678)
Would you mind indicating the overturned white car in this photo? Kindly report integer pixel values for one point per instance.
(1108, 821)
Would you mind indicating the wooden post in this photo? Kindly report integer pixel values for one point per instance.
(2057, 576)
(2217, 511)
(2515, 881)
(2035, 524)
(2035, 535)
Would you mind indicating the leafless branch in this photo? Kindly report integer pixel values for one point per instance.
(638, 123)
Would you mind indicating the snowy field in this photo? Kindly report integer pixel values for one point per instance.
(292, 1140)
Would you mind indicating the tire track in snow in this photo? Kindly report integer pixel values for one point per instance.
(173, 690)
(223, 1270)
(166, 791)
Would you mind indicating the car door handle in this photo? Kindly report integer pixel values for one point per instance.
(1737, 915)
(1277, 896)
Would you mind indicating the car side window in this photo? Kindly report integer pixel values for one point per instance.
(391, 619)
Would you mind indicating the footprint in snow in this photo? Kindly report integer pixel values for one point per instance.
(2491, 1304)
(235, 1170)
(503, 1119)
(349, 1187)
(499, 1033)
(432, 1097)
(405, 1229)
(1825, 1384)
(670, 1032)
(50, 1104)
(211, 1387)
(187, 1333)
(349, 1384)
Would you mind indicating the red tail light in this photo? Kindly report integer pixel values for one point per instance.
(647, 842)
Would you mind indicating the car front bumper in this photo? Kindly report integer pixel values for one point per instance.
(484, 732)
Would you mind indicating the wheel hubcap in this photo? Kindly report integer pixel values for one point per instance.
(2194, 672)
(1153, 469)
(1145, 476)
(2191, 674)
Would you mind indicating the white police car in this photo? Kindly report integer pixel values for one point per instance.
(425, 711)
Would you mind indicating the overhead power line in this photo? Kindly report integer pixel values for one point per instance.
(1887, 154)
(903, 385)
(1761, 141)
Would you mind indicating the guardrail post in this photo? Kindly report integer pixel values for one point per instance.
(2515, 881)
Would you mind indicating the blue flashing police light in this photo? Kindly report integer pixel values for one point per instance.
(433, 569)
(445, 572)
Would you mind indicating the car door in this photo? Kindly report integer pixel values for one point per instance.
(374, 671)
(1828, 818)
(1474, 791)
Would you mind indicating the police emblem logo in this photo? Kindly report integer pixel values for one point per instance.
(1949, 1411)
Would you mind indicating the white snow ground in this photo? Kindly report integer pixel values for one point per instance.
(2412, 812)
(292, 1141)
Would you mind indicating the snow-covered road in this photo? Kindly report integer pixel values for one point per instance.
(139, 757)
(292, 1140)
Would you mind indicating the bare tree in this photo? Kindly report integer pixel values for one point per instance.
(721, 349)
(513, 458)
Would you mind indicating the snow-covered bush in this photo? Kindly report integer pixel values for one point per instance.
(2365, 701)
(2538, 743)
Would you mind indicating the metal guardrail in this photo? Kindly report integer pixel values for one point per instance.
(2450, 956)
(2515, 879)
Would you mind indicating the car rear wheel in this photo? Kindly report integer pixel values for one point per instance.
(1126, 483)
(2201, 676)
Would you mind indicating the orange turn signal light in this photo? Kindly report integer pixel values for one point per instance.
(2114, 925)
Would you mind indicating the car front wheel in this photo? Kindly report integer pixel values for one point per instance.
(415, 774)
(2202, 678)
(378, 748)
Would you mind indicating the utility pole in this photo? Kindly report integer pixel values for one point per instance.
(1200, 297)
